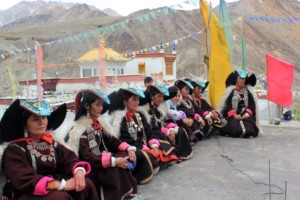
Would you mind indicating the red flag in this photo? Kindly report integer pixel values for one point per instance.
(280, 75)
(39, 69)
(102, 64)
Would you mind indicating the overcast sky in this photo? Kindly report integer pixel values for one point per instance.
(123, 7)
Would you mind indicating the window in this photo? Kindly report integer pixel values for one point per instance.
(87, 72)
(141, 66)
(96, 72)
(169, 69)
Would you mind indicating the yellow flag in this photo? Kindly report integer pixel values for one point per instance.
(13, 82)
(219, 66)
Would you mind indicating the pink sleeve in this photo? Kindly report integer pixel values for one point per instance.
(205, 113)
(123, 146)
(40, 188)
(153, 141)
(106, 159)
(145, 148)
(164, 130)
(231, 113)
(196, 117)
(171, 125)
(83, 164)
(249, 111)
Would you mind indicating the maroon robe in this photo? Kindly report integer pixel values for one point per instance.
(111, 182)
(25, 163)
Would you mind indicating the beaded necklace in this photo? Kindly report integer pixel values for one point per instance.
(135, 126)
(35, 149)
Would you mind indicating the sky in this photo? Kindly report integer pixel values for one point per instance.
(123, 7)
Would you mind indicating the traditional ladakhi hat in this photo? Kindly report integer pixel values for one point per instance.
(117, 98)
(232, 78)
(182, 83)
(12, 124)
(203, 84)
(82, 96)
(154, 89)
(172, 92)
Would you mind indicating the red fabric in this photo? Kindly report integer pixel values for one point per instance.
(153, 153)
(77, 100)
(129, 115)
(39, 68)
(280, 75)
(238, 88)
(96, 125)
(154, 106)
(250, 112)
(231, 113)
(166, 158)
(102, 65)
(47, 137)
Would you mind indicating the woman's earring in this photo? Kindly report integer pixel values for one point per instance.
(88, 114)
(26, 133)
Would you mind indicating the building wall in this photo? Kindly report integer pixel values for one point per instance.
(152, 65)
(112, 68)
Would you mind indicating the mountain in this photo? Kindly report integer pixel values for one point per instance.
(57, 23)
(110, 12)
(39, 12)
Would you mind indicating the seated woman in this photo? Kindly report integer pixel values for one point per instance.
(214, 120)
(177, 116)
(239, 106)
(161, 125)
(134, 129)
(94, 140)
(191, 110)
(36, 165)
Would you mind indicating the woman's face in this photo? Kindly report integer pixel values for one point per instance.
(185, 91)
(158, 99)
(132, 103)
(240, 82)
(198, 90)
(176, 98)
(96, 108)
(36, 125)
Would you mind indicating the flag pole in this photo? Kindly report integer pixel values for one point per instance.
(269, 111)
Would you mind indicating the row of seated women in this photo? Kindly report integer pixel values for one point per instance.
(103, 156)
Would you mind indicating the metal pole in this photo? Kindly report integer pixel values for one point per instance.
(270, 180)
(285, 190)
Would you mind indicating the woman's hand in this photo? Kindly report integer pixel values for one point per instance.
(70, 185)
(209, 121)
(122, 162)
(79, 180)
(188, 121)
(214, 114)
(237, 117)
(245, 116)
(132, 156)
(202, 122)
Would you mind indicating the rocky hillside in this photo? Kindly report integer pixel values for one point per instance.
(278, 39)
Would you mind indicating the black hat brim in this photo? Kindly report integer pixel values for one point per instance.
(12, 125)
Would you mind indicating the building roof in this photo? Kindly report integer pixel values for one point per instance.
(93, 55)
